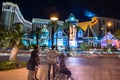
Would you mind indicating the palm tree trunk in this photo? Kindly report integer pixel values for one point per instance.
(37, 39)
(13, 53)
(68, 40)
(57, 40)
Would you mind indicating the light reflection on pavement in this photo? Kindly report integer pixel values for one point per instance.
(94, 68)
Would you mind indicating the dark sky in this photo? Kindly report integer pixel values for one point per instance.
(44, 8)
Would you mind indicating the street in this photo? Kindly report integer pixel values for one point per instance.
(94, 68)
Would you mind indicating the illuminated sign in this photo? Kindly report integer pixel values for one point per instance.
(72, 32)
(80, 34)
(73, 43)
(60, 42)
(60, 33)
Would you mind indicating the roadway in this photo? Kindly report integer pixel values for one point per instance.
(94, 68)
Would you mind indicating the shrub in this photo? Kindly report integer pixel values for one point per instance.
(7, 65)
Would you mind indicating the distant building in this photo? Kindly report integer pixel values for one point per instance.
(11, 14)
(72, 30)
(39, 23)
(90, 38)
(90, 32)
(104, 25)
(101, 25)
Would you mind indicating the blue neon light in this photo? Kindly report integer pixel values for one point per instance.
(89, 14)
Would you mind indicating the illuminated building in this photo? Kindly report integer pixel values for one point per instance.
(102, 25)
(45, 30)
(89, 33)
(72, 30)
(90, 38)
(11, 14)
(39, 23)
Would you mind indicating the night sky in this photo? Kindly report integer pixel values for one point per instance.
(44, 8)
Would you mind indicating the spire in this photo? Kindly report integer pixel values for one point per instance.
(72, 19)
(89, 32)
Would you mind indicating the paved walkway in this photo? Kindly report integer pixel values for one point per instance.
(16, 74)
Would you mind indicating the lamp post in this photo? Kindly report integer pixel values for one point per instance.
(109, 25)
(38, 31)
(54, 22)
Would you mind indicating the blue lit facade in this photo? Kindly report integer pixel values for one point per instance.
(63, 40)
(72, 31)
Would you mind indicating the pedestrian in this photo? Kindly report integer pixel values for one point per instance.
(33, 63)
(63, 68)
(52, 57)
(43, 65)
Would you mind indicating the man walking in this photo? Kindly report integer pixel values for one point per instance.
(52, 54)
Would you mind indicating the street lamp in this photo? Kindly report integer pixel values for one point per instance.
(54, 22)
(109, 24)
(109, 42)
(38, 31)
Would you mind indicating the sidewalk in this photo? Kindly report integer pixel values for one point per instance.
(16, 74)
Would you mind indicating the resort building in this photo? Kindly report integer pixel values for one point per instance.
(91, 33)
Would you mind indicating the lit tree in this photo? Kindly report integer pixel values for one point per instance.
(3, 36)
(117, 34)
(66, 29)
(12, 38)
(84, 47)
(78, 28)
(38, 32)
(15, 40)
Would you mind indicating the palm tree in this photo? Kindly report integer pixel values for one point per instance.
(38, 32)
(16, 34)
(11, 38)
(3, 35)
(66, 29)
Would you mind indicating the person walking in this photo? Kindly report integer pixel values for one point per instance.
(33, 64)
(52, 57)
(66, 73)
(43, 65)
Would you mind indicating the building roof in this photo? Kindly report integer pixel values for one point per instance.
(83, 25)
(72, 19)
(89, 32)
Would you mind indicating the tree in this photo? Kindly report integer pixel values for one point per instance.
(16, 34)
(117, 34)
(3, 34)
(12, 38)
(78, 28)
(38, 32)
(67, 31)
(84, 47)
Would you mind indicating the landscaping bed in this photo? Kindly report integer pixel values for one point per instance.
(8, 65)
